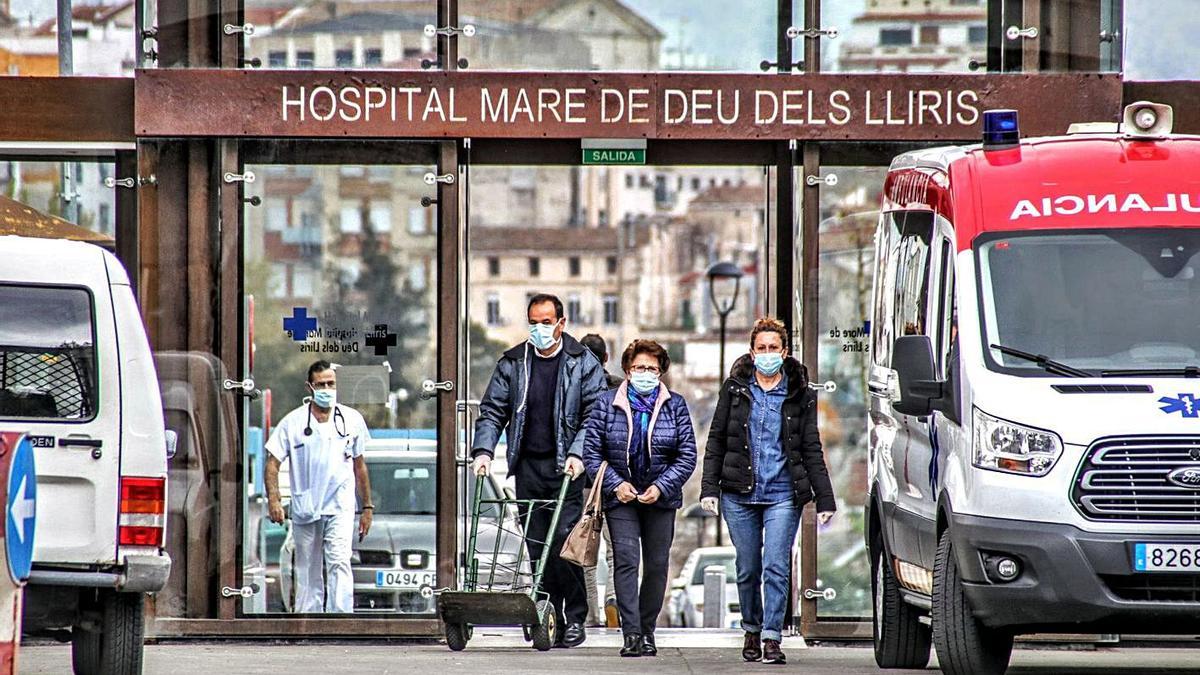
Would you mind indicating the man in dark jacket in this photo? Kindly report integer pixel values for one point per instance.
(541, 393)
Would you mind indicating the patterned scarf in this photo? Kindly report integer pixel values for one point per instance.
(639, 443)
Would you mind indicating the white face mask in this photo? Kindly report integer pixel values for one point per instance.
(541, 335)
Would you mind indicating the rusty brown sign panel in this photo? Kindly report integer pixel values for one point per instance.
(609, 105)
(94, 109)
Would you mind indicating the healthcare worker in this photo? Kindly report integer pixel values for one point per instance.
(324, 442)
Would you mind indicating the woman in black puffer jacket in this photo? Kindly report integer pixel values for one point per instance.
(644, 431)
(763, 463)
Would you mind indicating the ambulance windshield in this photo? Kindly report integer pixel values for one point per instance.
(1095, 300)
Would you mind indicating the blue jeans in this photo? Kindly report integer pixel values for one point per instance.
(763, 535)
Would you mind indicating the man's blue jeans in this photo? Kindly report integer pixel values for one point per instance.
(763, 535)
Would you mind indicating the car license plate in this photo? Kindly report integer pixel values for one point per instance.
(1166, 557)
(404, 579)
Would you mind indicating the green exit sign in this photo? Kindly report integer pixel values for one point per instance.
(614, 156)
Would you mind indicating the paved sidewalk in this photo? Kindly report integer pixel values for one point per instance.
(489, 656)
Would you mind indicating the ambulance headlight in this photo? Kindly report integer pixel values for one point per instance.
(1000, 445)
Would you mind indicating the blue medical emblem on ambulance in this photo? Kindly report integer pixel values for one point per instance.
(1184, 404)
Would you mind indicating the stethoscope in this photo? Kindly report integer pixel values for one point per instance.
(337, 417)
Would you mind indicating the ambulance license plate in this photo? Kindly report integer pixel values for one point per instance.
(404, 579)
(1166, 557)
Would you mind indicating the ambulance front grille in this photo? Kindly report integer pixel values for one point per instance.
(1126, 478)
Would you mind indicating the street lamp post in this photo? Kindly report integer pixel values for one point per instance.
(723, 272)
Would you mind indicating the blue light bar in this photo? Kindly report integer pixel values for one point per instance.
(1000, 129)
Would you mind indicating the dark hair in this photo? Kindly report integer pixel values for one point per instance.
(646, 347)
(769, 324)
(597, 346)
(318, 366)
(545, 297)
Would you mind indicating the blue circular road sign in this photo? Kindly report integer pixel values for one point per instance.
(21, 512)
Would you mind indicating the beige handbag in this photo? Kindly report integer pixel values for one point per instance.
(582, 546)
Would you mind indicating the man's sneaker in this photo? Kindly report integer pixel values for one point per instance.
(772, 653)
(752, 647)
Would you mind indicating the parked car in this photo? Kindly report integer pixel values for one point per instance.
(397, 559)
(685, 607)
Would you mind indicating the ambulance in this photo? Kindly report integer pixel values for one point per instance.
(77, 377)
(1034, 414)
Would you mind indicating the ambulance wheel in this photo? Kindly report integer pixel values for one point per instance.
(901, 640)
(457, 635)
(108, 638)
(545, 631)
(965, 646)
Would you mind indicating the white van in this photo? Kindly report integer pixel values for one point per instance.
(1034, 435)
(76, 375)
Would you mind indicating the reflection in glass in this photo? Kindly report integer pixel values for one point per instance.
(340, 264)
(102, 39)
(902, 36)
(341, 34)
(47, 199)
(846, 241)
(627, 35)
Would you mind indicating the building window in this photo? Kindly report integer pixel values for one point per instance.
(303, 282)
(417, 276)
(277, 59)
(105, 219)
(929, 35)
(305, 59)
(574, 311)
(373, 57)
(695, 185)
(895, 37)
(610, 264)
(977, 35)
(612, 310)
(381, 217)
(493, 309)
(351, 220)
(344, 58)
(493, 267)
(535, 267)
(628, 180)
(416, 220)
(276, 215)
(573, 265)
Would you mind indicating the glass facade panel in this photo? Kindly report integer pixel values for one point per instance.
(846, 240)
(355, 286)
(641, 239)
(58, 199)
(102, 39)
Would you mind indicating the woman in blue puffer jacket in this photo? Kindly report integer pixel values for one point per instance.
(644, 431)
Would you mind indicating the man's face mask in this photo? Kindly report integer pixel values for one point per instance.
(541, 335)
(324, 398)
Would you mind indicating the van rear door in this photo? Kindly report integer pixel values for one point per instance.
(59, 383)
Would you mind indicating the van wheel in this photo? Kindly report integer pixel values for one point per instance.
(964, 645)
(112, 644)
(901, 640)
(457, 636)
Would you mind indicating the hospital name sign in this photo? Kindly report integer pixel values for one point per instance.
(397, 104)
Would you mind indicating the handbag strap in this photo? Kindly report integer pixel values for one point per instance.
(593, 502)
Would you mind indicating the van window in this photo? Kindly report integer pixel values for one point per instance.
(47, 353)
(903, 286)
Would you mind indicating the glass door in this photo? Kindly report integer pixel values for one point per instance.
(342, 278)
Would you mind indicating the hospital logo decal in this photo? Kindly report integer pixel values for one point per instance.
(299, 324)
(1184, 404)
(380, 339)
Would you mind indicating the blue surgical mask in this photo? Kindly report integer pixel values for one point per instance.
(541, 335)
(644, 383)
(769, 363)
(325, 398)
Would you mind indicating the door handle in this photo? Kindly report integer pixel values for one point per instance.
(429, 388)
(77, 441)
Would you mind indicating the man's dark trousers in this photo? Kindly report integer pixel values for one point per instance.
(539, 478)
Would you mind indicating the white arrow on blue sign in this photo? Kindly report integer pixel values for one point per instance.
(21, 512)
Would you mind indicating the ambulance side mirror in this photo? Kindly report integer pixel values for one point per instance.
(920, 390)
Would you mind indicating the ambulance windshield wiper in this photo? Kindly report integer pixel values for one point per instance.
(1046, 363)
(1186, 371)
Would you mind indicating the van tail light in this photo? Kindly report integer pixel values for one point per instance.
(143, 512)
